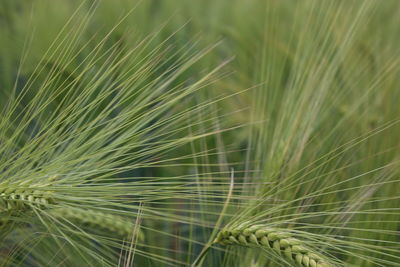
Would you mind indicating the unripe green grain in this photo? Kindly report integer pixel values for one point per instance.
(98, 220)
(276, 240)
(15, 198)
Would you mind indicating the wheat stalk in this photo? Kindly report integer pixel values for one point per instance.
(99, 220)
(277, 240)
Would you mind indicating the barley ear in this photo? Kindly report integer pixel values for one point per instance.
(275, 240)
(98, 220)
(19, 197)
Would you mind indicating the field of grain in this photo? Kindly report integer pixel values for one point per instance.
(228, 133)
